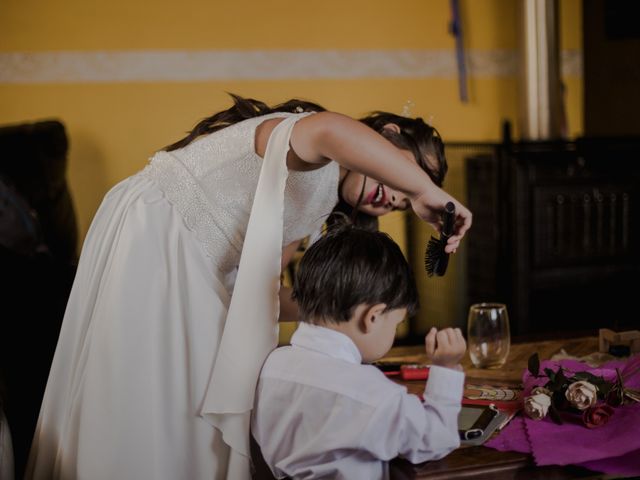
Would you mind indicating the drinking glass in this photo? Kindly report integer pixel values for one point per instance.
(488, 335)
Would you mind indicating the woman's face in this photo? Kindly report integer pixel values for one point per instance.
(377, 199)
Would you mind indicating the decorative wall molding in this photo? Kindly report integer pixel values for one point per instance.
(211, 65)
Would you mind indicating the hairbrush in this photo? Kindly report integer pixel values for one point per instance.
(436, 259)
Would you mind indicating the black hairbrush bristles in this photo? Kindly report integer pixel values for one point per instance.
(436, 259)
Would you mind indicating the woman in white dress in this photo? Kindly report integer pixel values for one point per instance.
(176, 299)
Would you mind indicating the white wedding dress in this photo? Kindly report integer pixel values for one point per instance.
(173, 311)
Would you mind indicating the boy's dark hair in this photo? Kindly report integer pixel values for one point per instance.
(348, 267)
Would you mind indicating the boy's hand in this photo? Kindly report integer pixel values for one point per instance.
(446, 347)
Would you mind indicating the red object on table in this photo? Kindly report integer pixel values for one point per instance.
(414, 372)
(406, 371)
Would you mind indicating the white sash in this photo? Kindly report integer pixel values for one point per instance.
(251, 328)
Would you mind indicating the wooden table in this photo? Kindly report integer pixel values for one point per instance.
(483, 462)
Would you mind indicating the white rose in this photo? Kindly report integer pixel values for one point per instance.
(544, 390)
(582, 395)
(536, 406)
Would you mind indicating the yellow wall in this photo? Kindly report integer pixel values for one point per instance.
(114, 126)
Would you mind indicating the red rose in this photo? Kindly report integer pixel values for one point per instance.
(597, 415)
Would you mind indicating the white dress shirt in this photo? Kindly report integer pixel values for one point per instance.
(320, 413)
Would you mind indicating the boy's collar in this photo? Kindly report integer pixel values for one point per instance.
(326, 341)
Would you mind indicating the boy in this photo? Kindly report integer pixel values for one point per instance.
(319, 412)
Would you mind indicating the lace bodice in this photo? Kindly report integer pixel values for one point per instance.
(212, 182)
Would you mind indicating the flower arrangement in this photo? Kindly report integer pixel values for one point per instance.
(591, 396)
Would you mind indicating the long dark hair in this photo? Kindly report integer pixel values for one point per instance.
(415, 135)
(242, 109)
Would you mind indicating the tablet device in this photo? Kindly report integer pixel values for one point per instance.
(473, 420)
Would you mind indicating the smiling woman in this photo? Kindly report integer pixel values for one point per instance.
(366, 199)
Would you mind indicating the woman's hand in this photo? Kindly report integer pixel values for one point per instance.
(429, 206)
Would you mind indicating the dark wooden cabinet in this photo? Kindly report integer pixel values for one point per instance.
(556, 233)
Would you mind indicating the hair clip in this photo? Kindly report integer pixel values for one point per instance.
(406, 109)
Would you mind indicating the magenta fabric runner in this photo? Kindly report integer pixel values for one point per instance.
(613, 448)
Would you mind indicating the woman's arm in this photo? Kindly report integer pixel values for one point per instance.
(326, 136)
(288, 307)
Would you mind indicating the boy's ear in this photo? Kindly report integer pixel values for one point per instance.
(372, 317)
